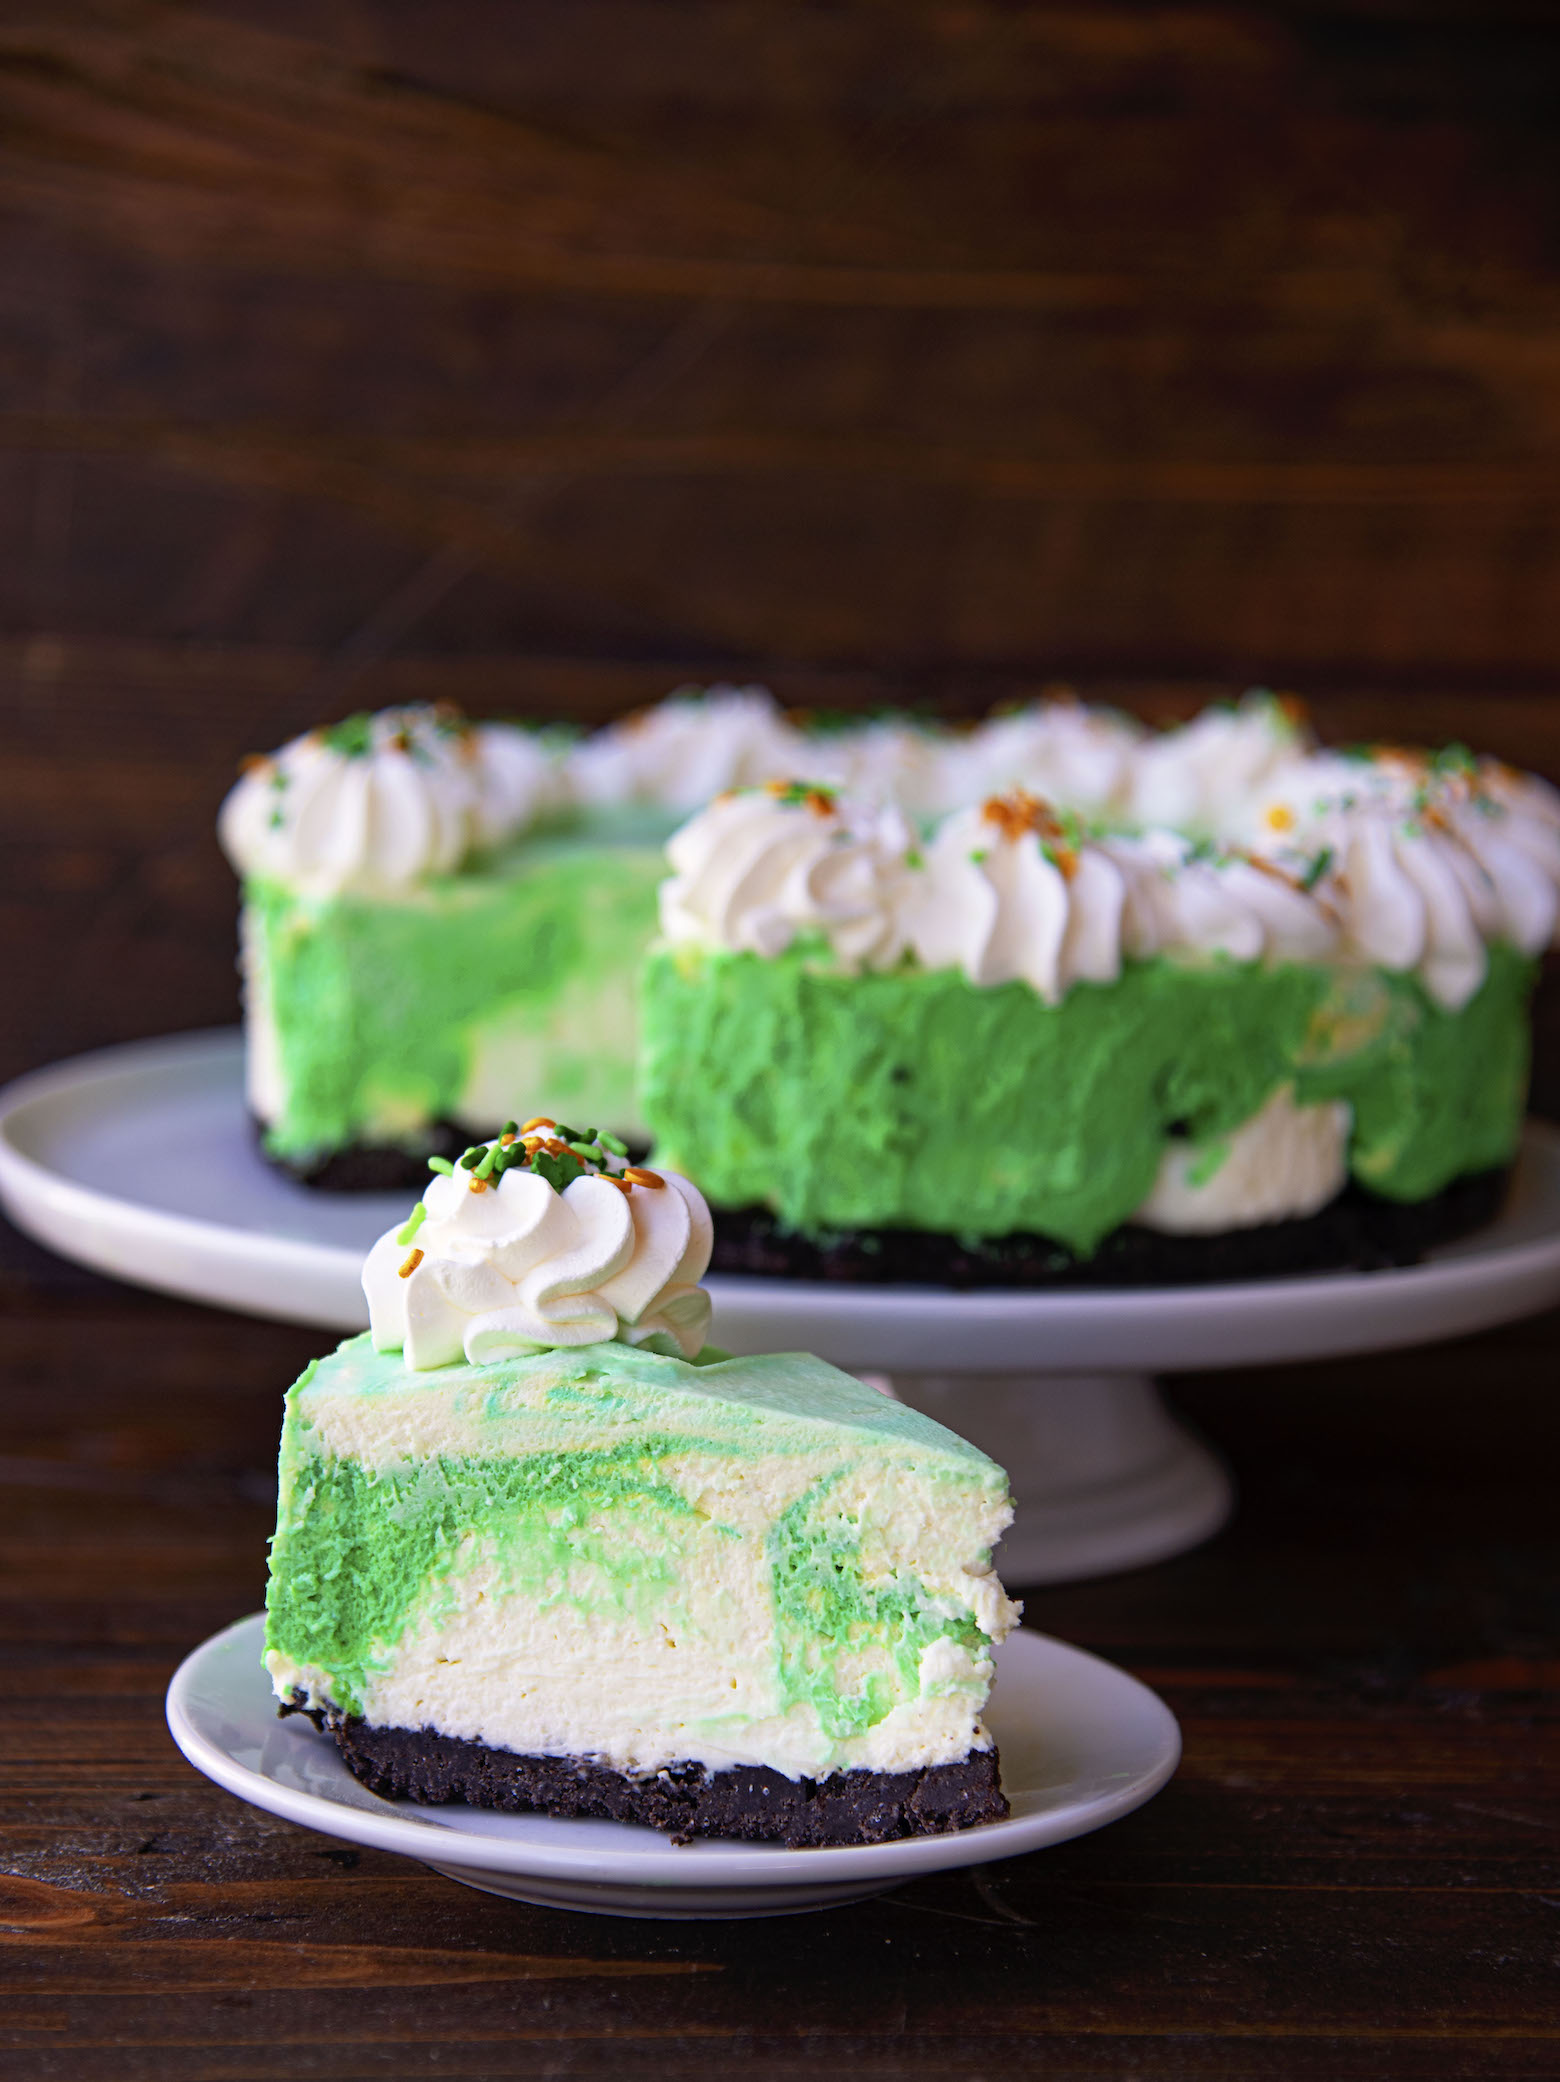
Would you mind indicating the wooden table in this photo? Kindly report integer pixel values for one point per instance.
(1356, 1873)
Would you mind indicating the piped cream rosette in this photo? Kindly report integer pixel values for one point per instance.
(1423, 860)
(508, 1264)
(377, 804)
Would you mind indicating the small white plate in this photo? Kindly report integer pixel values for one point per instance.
(1082, 1744)
(139, 1161)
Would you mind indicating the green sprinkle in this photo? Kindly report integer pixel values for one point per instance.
(415, 1222)
(472, 1157)
(485, 1168)
(795, 793)
(568, 1134)
(1317, 869)
(585, 1150)
(442, 1164)
(510, 1128)
(611, 1142)
(353, 737)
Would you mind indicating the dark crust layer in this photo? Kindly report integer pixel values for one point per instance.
(383, 1167)
(1356, 1230)
(749, 1801)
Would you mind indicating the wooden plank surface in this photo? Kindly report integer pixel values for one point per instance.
(1353, 1876)
(926, 342)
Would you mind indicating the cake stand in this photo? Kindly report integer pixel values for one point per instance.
(139, 1161)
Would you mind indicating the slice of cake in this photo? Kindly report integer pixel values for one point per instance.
(538, 1548)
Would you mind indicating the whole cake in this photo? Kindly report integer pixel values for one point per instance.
(1041, 1045)
(539, 1548)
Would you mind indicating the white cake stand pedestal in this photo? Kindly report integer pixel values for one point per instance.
(1103, 1476)
(139, 1161)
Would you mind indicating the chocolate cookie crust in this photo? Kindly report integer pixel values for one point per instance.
(750, 1801)
(1356, 1230)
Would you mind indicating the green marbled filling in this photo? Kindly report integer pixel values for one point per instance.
(916, 1099)
(826, 1610)
(357, 1553)
(360, 1553)
(376, 1004)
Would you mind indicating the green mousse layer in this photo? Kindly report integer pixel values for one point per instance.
(917, 1100)
(472, 996)
(634, 1490)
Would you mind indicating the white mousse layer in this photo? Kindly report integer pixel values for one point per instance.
(1286, 1162)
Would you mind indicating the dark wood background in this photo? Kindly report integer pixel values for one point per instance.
(544, 355)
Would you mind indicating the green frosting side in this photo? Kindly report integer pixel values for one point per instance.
(1436, 1094)
(380, 1008)
(917, 1099)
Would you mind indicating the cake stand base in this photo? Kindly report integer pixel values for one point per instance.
(1104, 1478)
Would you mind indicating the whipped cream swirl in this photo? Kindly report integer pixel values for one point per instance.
(378, 803)
(1180, 898)
(1017, 890)
(1187, 779)
(1056, 749)
(686, 750)
(1009, 892)
(1422, 860)
(890, 759)
(513, 1266)
(757, 869)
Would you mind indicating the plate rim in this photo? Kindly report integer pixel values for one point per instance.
(1238, 1302)
(670, 1867)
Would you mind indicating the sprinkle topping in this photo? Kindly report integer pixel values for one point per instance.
(1018, 813)
(816, 796)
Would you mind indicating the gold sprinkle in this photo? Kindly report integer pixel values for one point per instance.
(539, 1121)
(476, 1185)
(411, 1265)
(1281, 817)
(504, 1141)
(255, 763)
(611, 1178)
(1272, 870)
(1017, 813)
(638, 1177)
